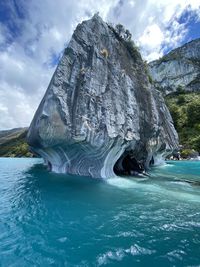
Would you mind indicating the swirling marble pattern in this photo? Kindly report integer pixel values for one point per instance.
(99, 105)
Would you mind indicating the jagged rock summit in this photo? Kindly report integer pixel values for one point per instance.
(179, 70)
(100, 115)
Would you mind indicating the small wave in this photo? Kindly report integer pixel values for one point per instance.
(122, 182)
(169, 227)
(166, 165)
(129, 183)
(137, 250)
(159, 162)
(185, 196)
(127, 234)
(117, 255)
(120, 253)
(181, 183)
(176, 254)
(63, 239)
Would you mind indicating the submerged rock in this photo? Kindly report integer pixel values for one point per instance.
(100, 106)
(178, 70)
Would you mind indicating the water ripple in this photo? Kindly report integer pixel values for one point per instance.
(48, 219)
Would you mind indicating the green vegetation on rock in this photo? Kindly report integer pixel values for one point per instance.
(185, 111)
(13, 143)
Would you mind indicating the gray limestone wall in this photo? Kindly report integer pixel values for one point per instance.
(99, 105)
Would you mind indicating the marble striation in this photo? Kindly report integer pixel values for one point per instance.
(100, 106)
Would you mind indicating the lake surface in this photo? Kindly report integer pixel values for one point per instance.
(48, 219)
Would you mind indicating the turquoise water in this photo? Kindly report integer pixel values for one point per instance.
(48, 219)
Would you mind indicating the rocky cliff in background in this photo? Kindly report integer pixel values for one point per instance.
(100, 115)
(177, 76)
(178, 70)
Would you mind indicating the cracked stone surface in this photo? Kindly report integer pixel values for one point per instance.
(99, 105)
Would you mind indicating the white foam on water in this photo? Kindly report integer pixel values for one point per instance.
(108, 256)
(185, 196)
(159, 161)
(120, 253)
(166, 165)
(121, 182)
(128, 183)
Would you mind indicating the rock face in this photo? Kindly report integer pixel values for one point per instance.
(100, 111)
(178, 70)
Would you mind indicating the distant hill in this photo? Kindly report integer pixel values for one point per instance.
(13, 143)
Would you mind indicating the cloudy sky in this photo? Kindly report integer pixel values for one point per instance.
(33, 34)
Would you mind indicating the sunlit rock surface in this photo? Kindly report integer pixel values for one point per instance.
(178, 70)
(100, 106)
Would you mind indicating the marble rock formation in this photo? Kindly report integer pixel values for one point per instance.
(178, 70)
(100, 116)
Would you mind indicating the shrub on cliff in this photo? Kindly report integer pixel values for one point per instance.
(185, 111)
(193, 112)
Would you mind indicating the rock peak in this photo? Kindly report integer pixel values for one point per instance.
(100, 115)
(96, 16)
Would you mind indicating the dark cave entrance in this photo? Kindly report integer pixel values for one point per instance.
(127, 165)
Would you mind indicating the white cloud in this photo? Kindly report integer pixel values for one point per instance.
(26, 62)
(13, 105)
(152, 36)
(154, 24)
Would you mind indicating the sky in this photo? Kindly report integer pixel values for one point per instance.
(34, 33)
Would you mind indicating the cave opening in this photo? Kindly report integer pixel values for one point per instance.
(128, 165)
